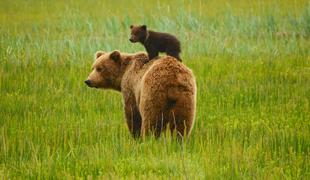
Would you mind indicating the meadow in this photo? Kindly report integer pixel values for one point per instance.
(252, 66)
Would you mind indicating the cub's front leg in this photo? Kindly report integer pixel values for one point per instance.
(152, 52)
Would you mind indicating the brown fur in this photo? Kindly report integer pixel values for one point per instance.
(155, 42)
(155, 94)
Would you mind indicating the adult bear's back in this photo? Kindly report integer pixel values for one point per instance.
(168, 95)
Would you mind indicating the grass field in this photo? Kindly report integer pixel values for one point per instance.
(252, 66)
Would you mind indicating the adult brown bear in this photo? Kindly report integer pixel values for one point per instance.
(155, 94)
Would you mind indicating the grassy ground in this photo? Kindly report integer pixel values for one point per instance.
(252, 66)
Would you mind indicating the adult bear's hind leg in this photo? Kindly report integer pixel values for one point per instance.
(153, 117)
(183, 114)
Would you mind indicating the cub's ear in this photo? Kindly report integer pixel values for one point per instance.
(98, 54)
(115, 55)
(143, 27)
(131, 26)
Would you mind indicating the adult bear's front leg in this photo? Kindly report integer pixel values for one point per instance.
(133, 119)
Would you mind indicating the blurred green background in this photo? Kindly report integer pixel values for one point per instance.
(252, 67)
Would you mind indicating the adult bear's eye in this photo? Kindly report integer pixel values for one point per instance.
(99, 69)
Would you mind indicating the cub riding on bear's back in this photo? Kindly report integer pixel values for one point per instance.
(155, 42)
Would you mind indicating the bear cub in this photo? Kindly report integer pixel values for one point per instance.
(155, 42)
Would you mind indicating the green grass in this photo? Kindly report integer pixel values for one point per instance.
(253, 109)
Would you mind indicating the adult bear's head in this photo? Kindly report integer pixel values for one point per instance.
(107, 70)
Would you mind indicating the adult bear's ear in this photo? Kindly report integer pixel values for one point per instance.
(143, 27)
(115, 55)
(98, 54)
(131, 26)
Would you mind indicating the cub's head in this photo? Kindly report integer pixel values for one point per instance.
(107, 70)
(138, 33)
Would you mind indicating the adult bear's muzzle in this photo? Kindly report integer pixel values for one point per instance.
(88, 82)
